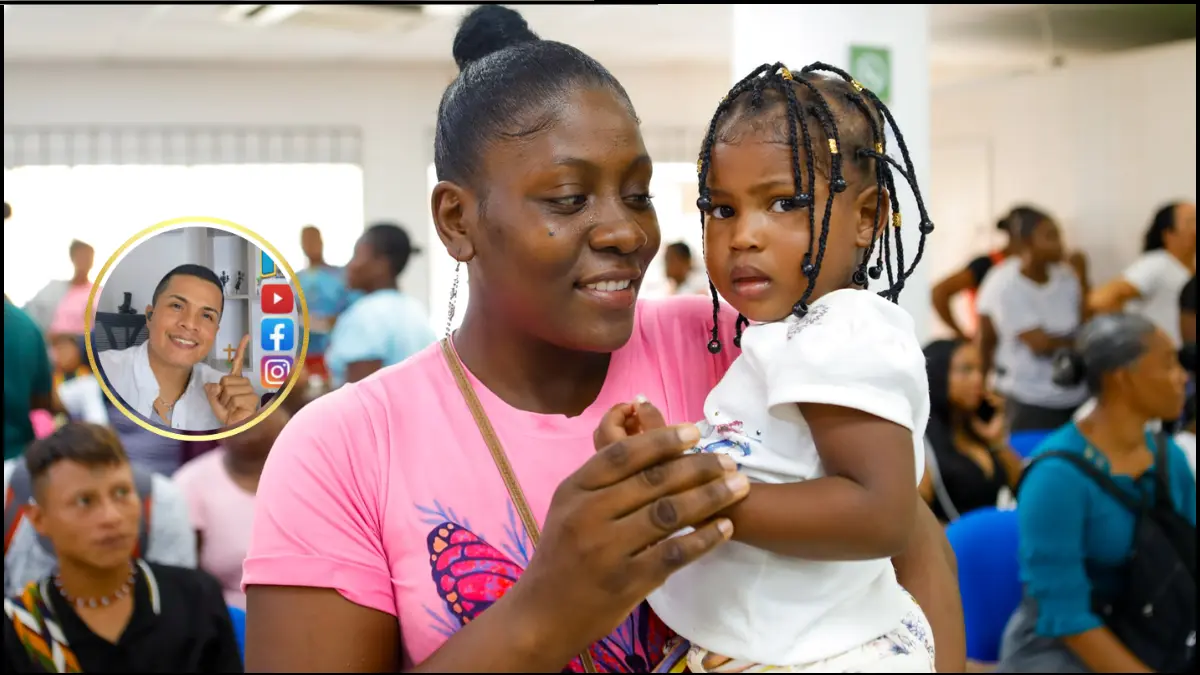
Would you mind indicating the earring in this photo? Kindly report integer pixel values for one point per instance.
(453, 297)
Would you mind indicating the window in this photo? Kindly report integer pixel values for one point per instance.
(105, 205)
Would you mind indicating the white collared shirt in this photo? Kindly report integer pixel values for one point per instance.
(129, 375)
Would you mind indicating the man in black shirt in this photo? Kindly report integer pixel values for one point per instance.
(104, 610)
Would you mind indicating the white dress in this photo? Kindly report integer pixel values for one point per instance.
(854, 350)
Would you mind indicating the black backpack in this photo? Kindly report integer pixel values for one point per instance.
(1155, 615)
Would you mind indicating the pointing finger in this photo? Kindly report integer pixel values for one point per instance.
(236, 369)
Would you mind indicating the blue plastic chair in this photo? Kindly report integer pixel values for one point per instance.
(985, 542)
(238, 616)
(1025, 442)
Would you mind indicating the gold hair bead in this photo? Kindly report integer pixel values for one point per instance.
(896, 220)
(699, 166)
(856, 85)
(833, 148)
(785, 73)
(879, 148)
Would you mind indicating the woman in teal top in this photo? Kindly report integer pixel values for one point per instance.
(1075, 538)
(384, 326)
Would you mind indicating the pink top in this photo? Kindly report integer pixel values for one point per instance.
(43, 423)
(69, 315)
(221, 512)
(385, 490)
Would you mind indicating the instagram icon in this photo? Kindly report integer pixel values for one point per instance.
(275, 371)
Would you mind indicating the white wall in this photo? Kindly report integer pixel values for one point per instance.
(144, 265)
(765, 34)
(1100, 144)
(393, 107)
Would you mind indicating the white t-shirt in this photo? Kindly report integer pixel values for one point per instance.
(1159, 277)
(1187, 442)
(985, 297)
(853, 349)
(1021, 305)
(84, 400)
(129, 375)
(696, 283)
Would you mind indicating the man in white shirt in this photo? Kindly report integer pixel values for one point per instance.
(165, 378)
(1151, 285)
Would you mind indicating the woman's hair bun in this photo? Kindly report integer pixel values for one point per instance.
(1069, 369)
(488, 29)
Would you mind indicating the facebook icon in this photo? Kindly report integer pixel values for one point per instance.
(278, 335)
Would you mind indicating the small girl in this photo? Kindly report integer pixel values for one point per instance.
(825, 409)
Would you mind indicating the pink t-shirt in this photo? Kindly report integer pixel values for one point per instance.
(69, 316)
(221, 512)
(385, 491)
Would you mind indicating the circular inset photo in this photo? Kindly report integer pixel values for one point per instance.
(198, 329)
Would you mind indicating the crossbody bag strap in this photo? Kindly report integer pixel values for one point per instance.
(1101, 479)
(500, 458)
(1162, 471)
(939, 488)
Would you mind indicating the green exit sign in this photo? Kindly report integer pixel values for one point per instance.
(872, 67)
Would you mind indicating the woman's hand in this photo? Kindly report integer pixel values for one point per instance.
(607, 542)
(993, 431)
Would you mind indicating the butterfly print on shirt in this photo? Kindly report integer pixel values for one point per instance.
(471, 575)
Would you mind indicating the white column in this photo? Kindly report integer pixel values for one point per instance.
(798, 35)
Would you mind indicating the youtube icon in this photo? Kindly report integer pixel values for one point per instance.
(278, 299)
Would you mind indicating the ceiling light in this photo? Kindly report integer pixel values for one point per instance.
(451, 11)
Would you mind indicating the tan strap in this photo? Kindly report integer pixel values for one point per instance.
(500, 458)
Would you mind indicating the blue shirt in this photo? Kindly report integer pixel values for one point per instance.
(385, 326)
(327, 297)
(1076, 538)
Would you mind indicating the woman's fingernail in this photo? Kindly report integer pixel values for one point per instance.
(727, 463)
(738, 484)
(688, 433)
(725, 525)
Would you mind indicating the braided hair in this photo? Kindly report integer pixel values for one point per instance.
(809, 94)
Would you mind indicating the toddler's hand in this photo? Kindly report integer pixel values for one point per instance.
(627, 419)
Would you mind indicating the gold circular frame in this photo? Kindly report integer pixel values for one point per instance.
(263, 245)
